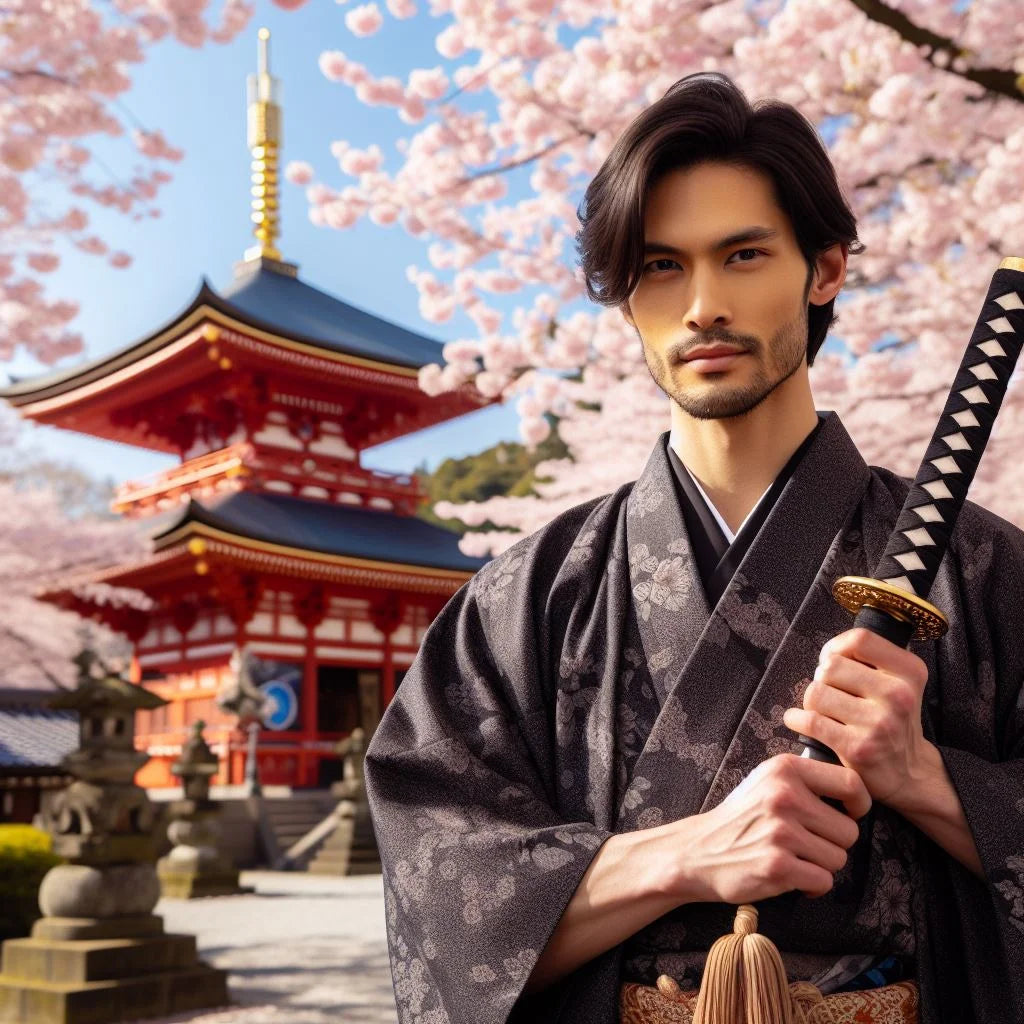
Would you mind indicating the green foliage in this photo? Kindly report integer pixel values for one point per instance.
(506, 469)
(25, 856)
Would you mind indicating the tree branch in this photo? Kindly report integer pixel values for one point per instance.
(994, 80)
(7, 75)
(489, 172)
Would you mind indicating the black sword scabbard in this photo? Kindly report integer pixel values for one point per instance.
(894, 602)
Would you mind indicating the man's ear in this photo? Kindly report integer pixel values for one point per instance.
(828, 276)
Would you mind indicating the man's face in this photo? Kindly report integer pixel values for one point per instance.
(721, 305)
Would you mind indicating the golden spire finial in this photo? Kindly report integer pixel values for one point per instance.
(264, 137)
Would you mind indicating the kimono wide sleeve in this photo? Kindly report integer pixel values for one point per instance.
(976, 926)
(478, 864)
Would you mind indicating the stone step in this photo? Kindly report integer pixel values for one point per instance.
(353, 869)
(113, 1001)
(69, 962)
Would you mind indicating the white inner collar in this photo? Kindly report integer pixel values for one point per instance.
(729, 535)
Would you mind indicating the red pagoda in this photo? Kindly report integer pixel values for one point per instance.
(269, 534)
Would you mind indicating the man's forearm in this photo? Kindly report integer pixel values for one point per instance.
(932, 805)
(621, 892)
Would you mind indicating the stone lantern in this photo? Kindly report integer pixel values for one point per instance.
(99, 954)
(351, 849)
(195, 867)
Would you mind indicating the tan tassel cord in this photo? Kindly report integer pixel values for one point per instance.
(744, 979)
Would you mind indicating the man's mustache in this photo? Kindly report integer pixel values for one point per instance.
(679, 350)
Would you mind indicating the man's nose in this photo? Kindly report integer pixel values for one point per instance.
(708, 305)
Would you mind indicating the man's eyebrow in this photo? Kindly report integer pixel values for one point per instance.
(751, 234)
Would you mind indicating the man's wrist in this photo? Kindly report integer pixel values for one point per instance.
(926, 789)
(675, 873)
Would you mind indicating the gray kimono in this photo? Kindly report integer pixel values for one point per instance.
(579, 686)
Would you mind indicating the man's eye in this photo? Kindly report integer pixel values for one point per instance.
(662, 265)
(746, 255)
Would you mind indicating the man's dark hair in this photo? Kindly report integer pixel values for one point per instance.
(706, 118)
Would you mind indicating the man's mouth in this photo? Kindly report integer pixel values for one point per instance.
(714, 358)
(711, 352)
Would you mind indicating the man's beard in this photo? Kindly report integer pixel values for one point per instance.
(717, 400)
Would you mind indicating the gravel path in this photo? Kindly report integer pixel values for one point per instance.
(302, 949)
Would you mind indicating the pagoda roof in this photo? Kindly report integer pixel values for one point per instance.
(285, 305)
(270, 300)
(302, 524)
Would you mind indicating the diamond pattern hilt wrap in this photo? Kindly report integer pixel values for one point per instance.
(894, 603)
(922, 532)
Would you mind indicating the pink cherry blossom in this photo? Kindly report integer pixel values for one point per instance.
(43, 262)
(67, 65)
(518, 117)
(364, 20)
(298, 172)
(155, 146)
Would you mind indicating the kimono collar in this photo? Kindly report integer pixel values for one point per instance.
(780, 563)
(716, 552)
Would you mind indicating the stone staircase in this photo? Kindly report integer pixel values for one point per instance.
(350, 849)
(290, 818)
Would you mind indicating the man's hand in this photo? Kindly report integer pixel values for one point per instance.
(865, 703)
(773, 833)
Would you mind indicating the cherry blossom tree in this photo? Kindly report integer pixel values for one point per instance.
(920, 101)
(64, 68)
(43, 544)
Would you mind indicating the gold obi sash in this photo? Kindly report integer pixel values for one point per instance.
(666, 1003)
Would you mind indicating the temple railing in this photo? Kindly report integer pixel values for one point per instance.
(247, 466)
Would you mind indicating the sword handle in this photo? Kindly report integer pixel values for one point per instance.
(890, 627)
(893, 605)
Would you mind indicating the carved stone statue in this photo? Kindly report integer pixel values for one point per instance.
(353, 750)
(240, 695)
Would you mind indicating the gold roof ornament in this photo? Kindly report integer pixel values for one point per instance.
(264, 138)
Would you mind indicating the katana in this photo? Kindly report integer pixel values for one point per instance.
(894, 604)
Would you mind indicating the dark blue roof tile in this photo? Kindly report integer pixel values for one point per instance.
(35, 737)
(331, 529)
(285, 305)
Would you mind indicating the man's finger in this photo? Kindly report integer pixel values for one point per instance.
(833, 780)
(873, 650)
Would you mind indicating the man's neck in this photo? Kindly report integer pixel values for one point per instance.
(736, 459)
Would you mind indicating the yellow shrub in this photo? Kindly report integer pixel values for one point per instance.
(25, 856)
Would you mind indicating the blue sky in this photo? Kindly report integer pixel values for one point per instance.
(197, 98)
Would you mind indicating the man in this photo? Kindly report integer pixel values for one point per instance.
(592, 759)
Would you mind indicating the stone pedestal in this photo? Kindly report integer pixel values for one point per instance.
(195, 867)
(104, 980)
(116, 966)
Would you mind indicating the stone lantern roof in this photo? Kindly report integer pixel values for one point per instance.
(110, 692)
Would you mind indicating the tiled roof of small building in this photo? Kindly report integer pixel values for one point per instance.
(32, 735)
